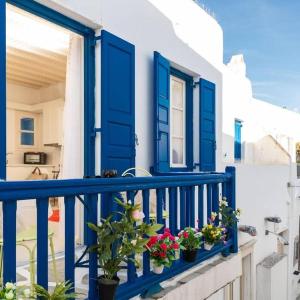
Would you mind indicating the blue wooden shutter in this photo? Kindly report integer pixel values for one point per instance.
(117, 103)
(207, 126)
(237, 139)
(161, 113)
(2, 89)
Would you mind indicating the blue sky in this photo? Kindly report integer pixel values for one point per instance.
(267, 32)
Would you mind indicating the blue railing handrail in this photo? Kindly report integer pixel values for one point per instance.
(184, 192)
(22, 190)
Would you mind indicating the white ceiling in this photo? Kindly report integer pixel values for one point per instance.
(36, 50)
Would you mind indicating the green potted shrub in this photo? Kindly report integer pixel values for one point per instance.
(119, 237)
(162, 248)
(62, 291)
(190, 240)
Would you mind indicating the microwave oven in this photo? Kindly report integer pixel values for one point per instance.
(35, 158)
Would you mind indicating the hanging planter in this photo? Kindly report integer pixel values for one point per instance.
(107, 287)
(189, 255)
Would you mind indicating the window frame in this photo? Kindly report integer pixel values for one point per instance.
(188, 134)
(21, 116)
(239, 123)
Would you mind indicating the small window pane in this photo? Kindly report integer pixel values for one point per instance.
(177, 123)
(177, 93)
(177, 151)
(27, 124)
(27, 138)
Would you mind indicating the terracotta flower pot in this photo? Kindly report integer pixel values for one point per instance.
(107, 287)
(208, 246)
(158, 269)
(189, 255)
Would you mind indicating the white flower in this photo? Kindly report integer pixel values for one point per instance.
(133, 242)
(129, 202)
(10, 286)
(10, 295)
(138, 215)
(27, 293)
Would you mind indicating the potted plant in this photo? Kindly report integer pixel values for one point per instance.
(62, 291)
(228, 216)
(119, 237)
(212, 234)
(162, 248)
(190, 241)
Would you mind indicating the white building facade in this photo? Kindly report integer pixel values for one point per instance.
(259, 139)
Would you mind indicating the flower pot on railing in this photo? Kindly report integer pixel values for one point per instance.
(107, 287)
(189, 255)
(158, 269)
(190, 240)
(208, 246)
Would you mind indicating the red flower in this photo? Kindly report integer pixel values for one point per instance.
(162, 254)
(172, 238)
(156, 253)
(185, 235)
(175, 246)
(164, 247)
(152, 241)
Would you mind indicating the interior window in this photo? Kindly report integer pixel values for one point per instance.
(177, 121)
(27, 131)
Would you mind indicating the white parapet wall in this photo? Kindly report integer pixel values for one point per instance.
(204, 280)
(271, 284)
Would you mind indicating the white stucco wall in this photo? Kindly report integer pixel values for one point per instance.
(193, 41)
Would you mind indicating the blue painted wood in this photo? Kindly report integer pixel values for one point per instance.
(159, 206)
(9, 241)
(231, 198)
(237, 139)
(207, 126)
(215, 198)
(182, 207)
(209, 200)
(146, 210)
(70, 239)
(188, 207)
(173, 214)
(56, 188)
(92, 201)
(192, 206)
(2, 90)
(117, 103)
(42, 241)
(189, 119)
(161, 113)
(91, 188)
(200, 206)
(131, 269)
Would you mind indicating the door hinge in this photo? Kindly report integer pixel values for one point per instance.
(195, 83)
(95, 131)
(97, 39)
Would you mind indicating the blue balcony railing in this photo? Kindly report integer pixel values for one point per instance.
(186, 199)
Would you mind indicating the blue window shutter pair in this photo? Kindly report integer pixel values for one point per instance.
(207, 126)
(117, 103)
(238, 140)
(161, 113)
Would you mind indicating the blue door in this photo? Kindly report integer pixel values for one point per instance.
(117, 103)
(207, 126)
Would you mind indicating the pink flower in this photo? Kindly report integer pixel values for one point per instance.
(137, 215)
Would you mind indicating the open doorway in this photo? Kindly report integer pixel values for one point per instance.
(45, 110)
